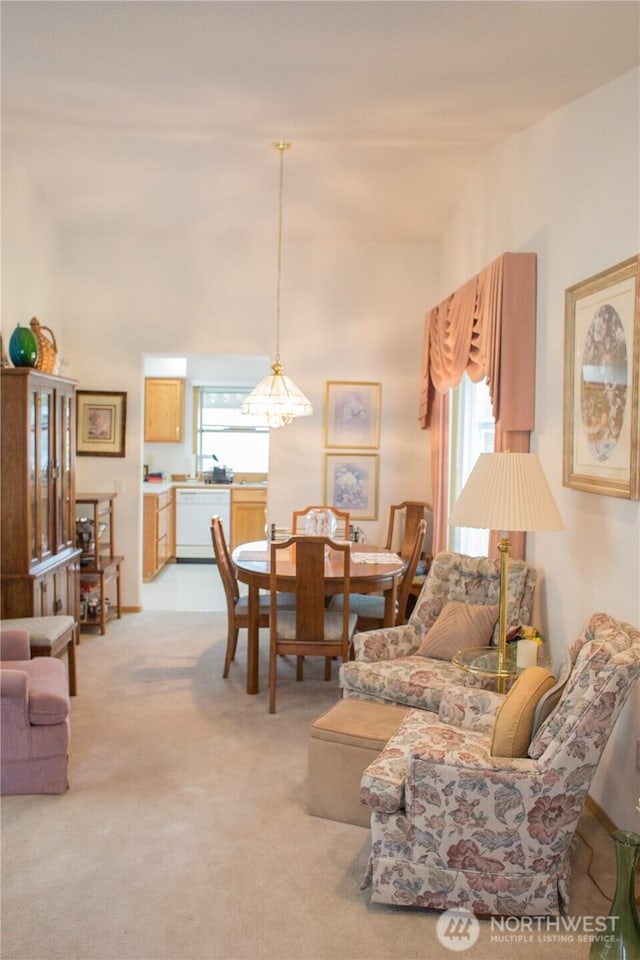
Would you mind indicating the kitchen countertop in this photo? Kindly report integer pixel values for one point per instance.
(154, 487)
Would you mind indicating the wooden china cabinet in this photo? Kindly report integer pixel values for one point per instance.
(39, 560)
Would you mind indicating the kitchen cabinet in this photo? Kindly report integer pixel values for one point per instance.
(163, 410)
(99, 575)
(37, 527)
(248, 514)
(158, 532)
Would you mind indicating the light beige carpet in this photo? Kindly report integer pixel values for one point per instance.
(184, 834)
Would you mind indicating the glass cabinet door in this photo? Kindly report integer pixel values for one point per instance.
(45, 423)
(34, 533)
(64, 473)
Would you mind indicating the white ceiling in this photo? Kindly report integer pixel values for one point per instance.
(159, 116)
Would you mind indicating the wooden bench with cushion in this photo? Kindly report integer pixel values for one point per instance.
(50, 637)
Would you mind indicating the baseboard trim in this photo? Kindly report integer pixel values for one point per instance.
(599, 814)
(132, 609)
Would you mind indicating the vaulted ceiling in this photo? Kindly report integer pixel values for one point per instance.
(159, 116)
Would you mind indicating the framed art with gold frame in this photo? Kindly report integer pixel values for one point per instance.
(351, 483)
(601, 383)
(101, 423)
(352, 415)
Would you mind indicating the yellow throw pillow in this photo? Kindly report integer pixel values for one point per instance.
(458, 627)
(514, 719)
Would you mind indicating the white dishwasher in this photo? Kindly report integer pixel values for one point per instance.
(194, 509)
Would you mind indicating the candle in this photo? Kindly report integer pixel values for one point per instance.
(527, 653)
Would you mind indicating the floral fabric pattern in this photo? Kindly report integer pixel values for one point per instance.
(455, 828)
(386, 666)
(602, 647)
(409, 681)
(454, 576)
(469, 708)
(388, 643)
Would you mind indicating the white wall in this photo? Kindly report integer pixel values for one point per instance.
(349, 312)
(32, 282)
(568, 190)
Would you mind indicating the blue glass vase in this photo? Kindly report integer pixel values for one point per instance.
(621, 939)
(23, 347)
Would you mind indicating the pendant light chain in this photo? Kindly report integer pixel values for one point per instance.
(277, 400)
(281, 146)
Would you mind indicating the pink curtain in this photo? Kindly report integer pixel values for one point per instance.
(487, 327)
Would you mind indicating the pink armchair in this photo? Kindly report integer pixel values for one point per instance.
(34, 712)
(455, 827)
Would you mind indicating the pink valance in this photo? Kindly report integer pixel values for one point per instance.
(487, 327)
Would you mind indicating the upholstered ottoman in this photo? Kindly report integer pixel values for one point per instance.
(49, 637)
(342, 743)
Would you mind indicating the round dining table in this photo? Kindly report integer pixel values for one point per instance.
(372, 570)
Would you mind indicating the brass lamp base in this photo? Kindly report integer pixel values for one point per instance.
(504, 546)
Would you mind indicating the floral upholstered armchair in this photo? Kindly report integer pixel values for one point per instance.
(391, 665)
(455, 826)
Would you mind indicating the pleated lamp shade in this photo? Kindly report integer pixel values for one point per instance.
(506, 491)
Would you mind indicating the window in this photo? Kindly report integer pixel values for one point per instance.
(471, 432)
(238, 440)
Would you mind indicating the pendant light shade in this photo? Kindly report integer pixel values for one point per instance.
(276, 399)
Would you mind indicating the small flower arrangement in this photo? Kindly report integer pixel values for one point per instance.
(524, 632)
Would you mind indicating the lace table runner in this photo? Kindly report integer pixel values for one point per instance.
(253, 555)
(375, 558)
(263, 555)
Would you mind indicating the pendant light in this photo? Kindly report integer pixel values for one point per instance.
(276, 399)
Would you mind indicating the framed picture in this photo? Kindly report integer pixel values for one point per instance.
(601, 373)
(351, 483)
(352, 415)
(101, 420)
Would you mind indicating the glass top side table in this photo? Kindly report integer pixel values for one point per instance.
(483, 661)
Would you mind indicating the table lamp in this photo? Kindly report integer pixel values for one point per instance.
(506, 492)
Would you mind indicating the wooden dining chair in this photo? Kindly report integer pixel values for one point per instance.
(342, 516)
(309, 630)
(403, 519)
(406, 515)
(369, 607)
(238, 606)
